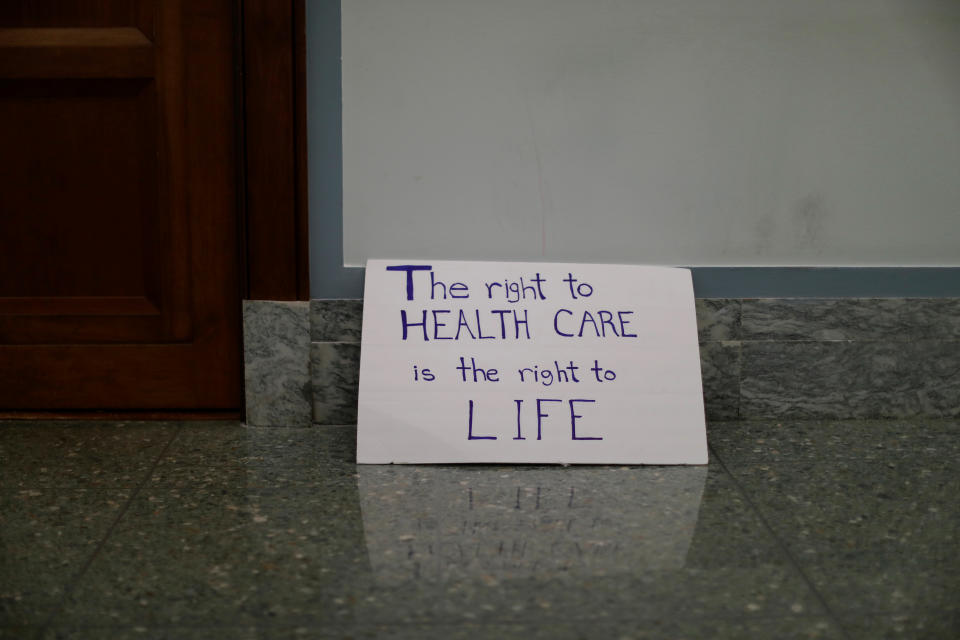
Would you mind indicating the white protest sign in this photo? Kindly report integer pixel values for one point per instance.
(529, 362)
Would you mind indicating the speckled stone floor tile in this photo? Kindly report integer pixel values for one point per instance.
(426, 545)
(247, 456)
(793, 440)
(521, 544)
(205, 530)
(178, 558)
(919, 624)
(79, 454)
(872, 534)
(46, 537)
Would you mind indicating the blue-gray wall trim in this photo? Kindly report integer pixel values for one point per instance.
(826, 282)
(330, 279)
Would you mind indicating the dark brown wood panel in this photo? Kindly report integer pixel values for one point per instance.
(93, 124)
(275, 132)
(79, 14)
(114, 52)
(119, 242)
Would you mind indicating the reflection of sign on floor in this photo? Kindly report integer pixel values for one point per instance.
(430, 523)
(528, 362)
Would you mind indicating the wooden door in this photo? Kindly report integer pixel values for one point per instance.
(119, 246)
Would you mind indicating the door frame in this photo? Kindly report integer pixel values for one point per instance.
(273, 166)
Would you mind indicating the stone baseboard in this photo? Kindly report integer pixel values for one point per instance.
(276, 362)
(760, 359)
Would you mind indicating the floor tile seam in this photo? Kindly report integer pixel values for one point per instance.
(192, 485)
(234, 466)
(78, 577)
(799, 461)
(901, 461)
(897, 612)
(939, 422)
(782, 436)
(642, 618)
(931, 424)
(328, 622)
(879, 454)
(871, 340)
(70, 487)
(296, 460)
(267, 428)
(325, 623)
(803, 415)
(783, 547)
(739, 380)
(184, 471)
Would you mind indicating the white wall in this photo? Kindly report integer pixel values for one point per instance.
(677, 132)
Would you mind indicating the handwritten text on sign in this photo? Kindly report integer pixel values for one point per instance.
(526, 362)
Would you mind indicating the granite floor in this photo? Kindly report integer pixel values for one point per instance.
(203, 530)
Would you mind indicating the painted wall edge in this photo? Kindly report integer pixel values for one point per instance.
(747, 282)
